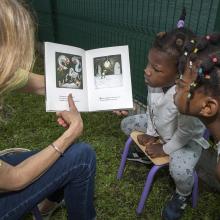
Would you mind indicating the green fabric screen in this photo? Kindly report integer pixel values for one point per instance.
(100, 23)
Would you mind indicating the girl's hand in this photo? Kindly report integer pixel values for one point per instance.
(121, 112)
(145, 139)
(71, 119)
(155, 150)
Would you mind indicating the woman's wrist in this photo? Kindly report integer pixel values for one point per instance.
(60, 152)
(65, 140)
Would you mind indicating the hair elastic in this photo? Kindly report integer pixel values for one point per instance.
(180, 24)
(181, 21)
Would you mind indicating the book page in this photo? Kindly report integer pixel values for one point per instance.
(109, 78)
(65, 72)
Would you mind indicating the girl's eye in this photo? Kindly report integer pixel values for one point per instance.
(156, 70)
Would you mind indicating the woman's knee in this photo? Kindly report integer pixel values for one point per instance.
(80, 152)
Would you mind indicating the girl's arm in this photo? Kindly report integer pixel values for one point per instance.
(18, 177)
(35, 84)
(188, 128)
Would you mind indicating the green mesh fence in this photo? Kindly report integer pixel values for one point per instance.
(100, 23)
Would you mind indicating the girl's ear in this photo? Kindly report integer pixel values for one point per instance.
(210, 107)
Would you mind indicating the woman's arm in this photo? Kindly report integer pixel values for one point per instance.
(35, 84)
(17, 177)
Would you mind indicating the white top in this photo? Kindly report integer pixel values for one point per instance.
(174, 129)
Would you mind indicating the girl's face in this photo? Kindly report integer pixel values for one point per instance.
(185, 105)
(161, 70)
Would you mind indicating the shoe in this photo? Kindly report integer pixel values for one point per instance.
(175, 207)
(47, 215)
(138, 156)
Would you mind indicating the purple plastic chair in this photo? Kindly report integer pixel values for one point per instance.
(150, 178)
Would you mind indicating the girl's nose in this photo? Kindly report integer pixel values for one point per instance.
(147, 72)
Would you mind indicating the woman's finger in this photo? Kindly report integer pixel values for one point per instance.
(72, 105)
(58, 114)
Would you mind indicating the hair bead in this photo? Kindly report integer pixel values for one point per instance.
(207, 37)
(214, 59)
(161, 34)
(207, 76)
(200, 71)
(193, 84)
(195, 50)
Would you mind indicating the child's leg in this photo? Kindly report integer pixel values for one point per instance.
(182, 165)
(134, 122)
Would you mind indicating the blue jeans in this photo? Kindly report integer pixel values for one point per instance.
(71, 175)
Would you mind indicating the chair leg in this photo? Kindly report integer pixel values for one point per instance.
(36, 213)
(147, 186)
(123, 158)
(195, 190)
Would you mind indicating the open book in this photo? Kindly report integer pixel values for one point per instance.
(98, 79)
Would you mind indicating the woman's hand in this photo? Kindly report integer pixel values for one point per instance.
(121, 112)
(17, 177)
(145, 139)
(71, 119)
(155, 150)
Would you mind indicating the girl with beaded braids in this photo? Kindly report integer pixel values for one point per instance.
(198, 90)
(180, 136)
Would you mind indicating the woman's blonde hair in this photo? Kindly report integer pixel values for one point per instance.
(16, 41)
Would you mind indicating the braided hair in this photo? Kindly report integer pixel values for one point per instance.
(173, 43)
(207, 51)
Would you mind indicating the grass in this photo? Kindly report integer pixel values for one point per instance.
(28, 125)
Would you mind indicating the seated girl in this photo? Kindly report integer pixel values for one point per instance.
(198, 89)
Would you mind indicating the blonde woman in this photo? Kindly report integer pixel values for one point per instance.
(61, 168)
